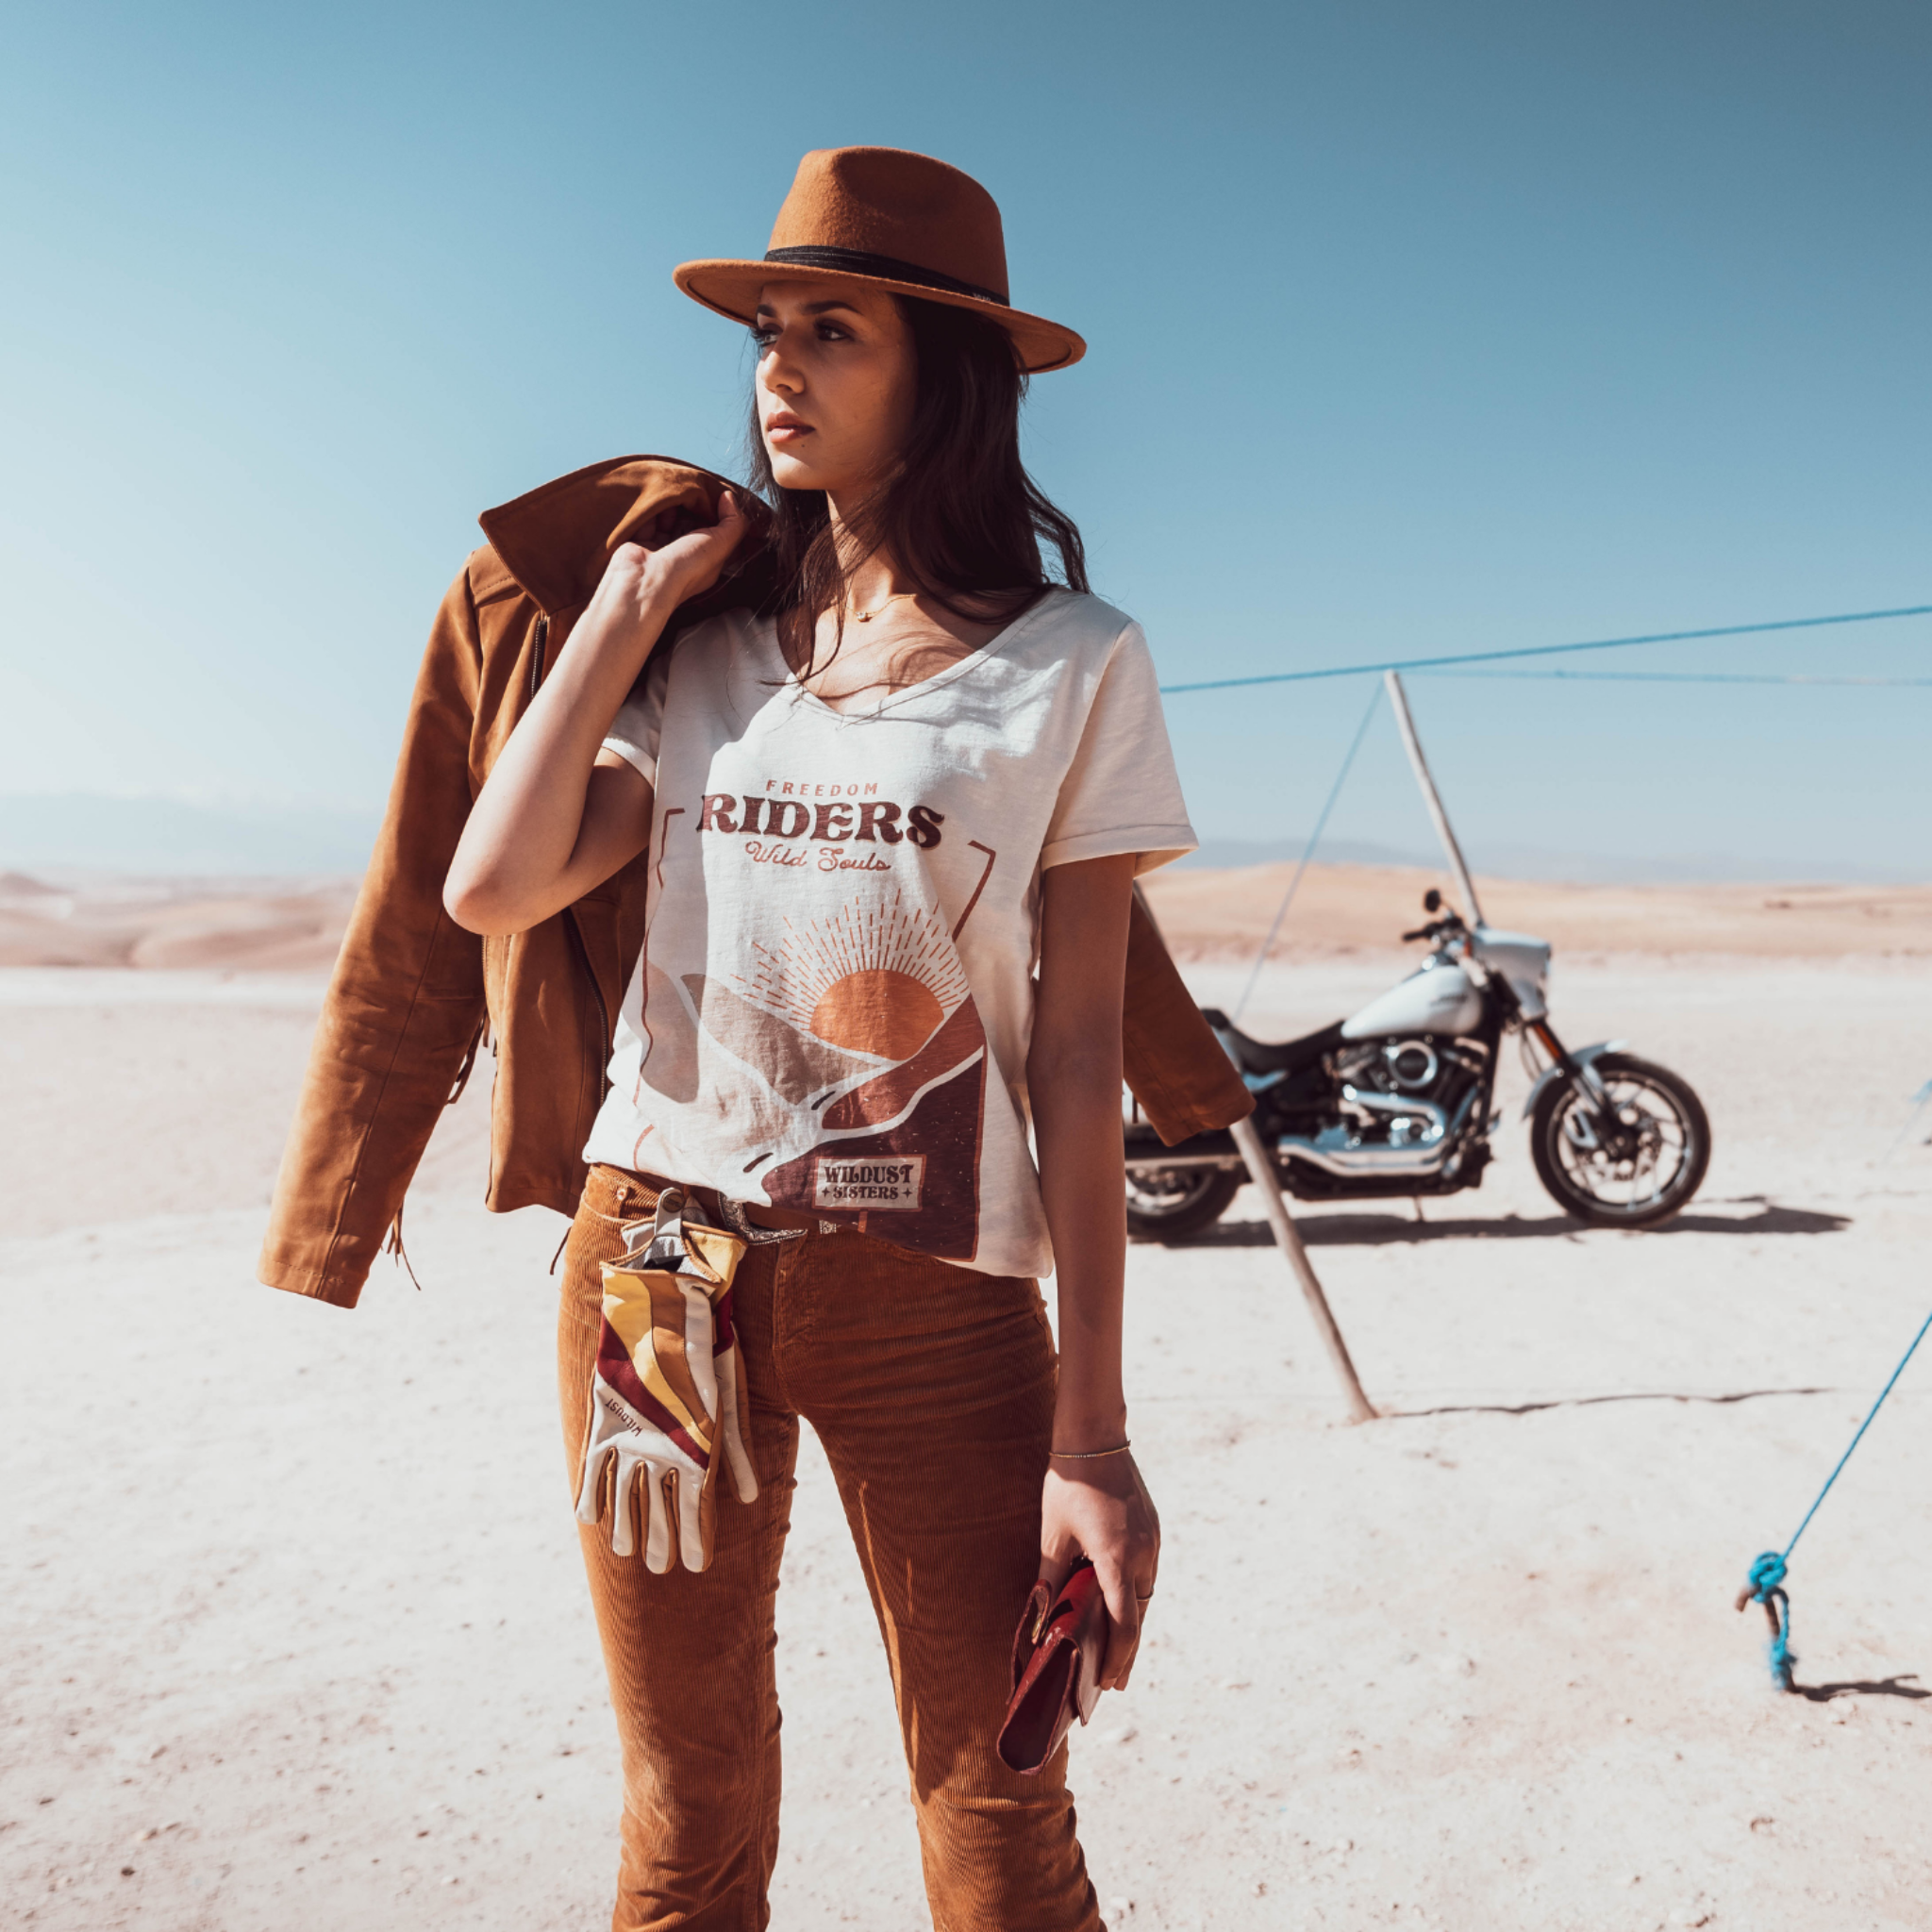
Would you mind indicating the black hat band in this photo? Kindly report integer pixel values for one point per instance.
(857, 261)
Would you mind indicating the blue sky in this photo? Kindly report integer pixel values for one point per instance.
(1413, 328)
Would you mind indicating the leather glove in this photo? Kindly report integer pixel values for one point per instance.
(668, 1394)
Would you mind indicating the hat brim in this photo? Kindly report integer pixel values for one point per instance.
(731, 288)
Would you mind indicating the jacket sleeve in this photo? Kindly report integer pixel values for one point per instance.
(1185, 1083)
(405, 1006)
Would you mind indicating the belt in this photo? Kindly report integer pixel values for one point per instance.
(779, 1223)
(757, 1222)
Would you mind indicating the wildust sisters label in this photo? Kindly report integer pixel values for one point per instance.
(875, 1184)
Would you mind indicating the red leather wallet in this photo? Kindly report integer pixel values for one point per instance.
(1057, 1652)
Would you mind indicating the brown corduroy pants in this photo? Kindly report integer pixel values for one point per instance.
(931, 1387)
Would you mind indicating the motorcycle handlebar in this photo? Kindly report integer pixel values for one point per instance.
(1449, 922)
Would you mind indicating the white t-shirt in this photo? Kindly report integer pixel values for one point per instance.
(835, 1001)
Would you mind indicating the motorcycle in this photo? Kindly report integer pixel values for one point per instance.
(1397, 1101)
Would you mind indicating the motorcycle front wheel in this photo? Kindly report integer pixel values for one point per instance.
(1171, 1202)
(1643, 1187)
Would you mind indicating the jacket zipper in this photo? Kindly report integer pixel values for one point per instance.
(538, 648)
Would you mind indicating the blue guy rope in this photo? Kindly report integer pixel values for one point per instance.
(1661, 637)
(1919, 1103)
(1361, 731)
(1765, 1583)
(1684, 677)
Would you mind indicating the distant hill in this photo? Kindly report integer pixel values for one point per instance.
(284, 924)
(275, 924)
(1344, 909)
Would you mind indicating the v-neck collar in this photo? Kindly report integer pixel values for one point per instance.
(970, 662)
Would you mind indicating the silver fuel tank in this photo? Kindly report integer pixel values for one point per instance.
(1438, 998)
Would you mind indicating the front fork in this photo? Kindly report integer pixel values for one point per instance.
(1599, 1116)
(1588, 1088)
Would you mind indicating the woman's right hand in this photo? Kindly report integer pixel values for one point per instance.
(549, 824)
(646, 578)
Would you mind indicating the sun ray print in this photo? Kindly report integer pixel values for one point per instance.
(876, 978)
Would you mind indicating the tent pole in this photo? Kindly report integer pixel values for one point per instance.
(1289, 1239)
(1398, 698)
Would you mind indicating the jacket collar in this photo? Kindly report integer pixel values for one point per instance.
(556, 541)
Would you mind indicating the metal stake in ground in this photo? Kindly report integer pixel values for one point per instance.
(1287, 1238)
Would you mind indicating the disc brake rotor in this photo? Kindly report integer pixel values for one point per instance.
(1597, 1163)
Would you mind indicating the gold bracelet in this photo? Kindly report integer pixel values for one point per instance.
(1091, 1455)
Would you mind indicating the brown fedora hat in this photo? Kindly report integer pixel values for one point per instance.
(888, 220)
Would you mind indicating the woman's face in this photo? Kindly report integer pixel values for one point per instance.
(835, 384)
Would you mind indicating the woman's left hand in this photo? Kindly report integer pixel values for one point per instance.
(1099, 1508)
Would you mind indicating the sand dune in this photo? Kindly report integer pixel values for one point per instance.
(241, 925)
(1347, 908)
(275, 926)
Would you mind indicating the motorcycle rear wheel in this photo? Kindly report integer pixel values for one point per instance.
(1175, 1202)
(1658, 1181)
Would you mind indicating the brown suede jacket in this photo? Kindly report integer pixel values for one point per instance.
(414, 997)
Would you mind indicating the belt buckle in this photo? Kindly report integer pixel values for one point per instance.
(740, 1225)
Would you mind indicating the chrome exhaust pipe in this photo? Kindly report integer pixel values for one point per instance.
(1401, 1107)
(1336, 1151)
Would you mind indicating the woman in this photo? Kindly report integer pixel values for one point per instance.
(878, 806)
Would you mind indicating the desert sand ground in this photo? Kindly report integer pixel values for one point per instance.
(295, 1638)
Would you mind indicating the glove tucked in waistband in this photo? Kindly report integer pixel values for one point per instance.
(668, 1391)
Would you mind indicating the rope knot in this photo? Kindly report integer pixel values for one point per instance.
(1768, 1571)
(1763, 1586)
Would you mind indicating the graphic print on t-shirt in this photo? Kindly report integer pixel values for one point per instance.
(862, 1027)
(883, 980)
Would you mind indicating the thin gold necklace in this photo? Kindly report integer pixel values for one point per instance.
(866, 616)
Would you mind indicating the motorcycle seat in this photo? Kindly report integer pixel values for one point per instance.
(1285, 1057)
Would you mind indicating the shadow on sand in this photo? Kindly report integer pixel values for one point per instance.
(1373, 1229)
(1595, 1402)
(1904, 1685)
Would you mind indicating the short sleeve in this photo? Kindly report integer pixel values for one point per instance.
(639, 725)
(1121, 793)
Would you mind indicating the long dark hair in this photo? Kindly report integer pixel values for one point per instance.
(960, 516)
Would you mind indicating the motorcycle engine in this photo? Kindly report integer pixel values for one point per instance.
(1434, 1073)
